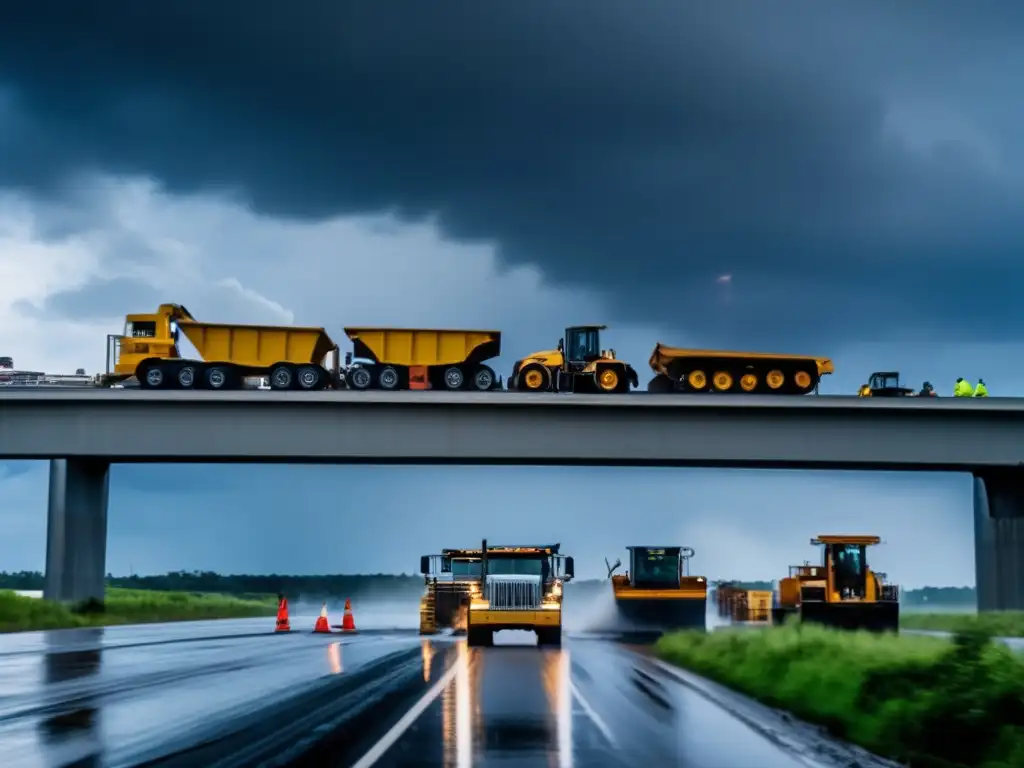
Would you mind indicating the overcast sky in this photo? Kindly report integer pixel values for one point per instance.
(841, 179)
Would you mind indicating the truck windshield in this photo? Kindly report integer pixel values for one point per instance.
(515, 567)
(652, 568)
(849, 567)
(465, 568)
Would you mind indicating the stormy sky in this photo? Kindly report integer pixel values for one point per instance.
(836, 178)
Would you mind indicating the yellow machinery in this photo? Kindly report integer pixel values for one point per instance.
(408, 358)
(496, 588)
(293, 357)
(657, 593)
(578, 365)
(842, 592)
(743, 605)
(703, 370)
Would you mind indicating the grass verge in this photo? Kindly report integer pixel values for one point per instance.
(128, 606)
(922, 700)
(995, 623)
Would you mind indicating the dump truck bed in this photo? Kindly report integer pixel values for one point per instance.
(257, 346)
(423, 346)
(663, 355)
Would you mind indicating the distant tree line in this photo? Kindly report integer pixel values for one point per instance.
(352, 585)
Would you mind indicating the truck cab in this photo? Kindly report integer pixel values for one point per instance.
(497, 587)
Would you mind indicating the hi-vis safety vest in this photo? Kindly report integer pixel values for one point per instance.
(981, 390)
(963, 389)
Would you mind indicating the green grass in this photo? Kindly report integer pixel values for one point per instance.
(925, 700)
(995, 623)
(129, 606)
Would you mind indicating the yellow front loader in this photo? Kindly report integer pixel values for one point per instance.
(579, 364)
(842, 592)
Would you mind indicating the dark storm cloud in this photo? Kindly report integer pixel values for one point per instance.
(641, 148)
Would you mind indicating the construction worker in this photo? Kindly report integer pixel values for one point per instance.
(927, 390)
(963, 389)
(981, 390)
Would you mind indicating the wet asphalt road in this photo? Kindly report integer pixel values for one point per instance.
(232, 693)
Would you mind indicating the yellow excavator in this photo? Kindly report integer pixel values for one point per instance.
(579, 364)
(842, 592)
(657, 593)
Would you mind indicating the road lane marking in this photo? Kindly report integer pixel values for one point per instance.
(594, 717)
(378, 750)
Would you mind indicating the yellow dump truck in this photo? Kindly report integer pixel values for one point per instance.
(579, 364)
(501, 587)
(409, 358)
(657, 593)
(842, 592)
(293, 357)
(704, 370)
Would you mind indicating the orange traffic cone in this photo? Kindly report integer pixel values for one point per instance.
(321, 625)
(283, 625)
(348, 623)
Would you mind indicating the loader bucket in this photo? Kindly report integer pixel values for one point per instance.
(657, 615)
(873, 617)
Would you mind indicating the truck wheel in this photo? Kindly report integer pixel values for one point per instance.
(454, 378)
(282, 377)
(388, 378)
(483, 379)
(187, 376)
(308, 378)
(359, 378)
(218, 377)
(660, 385)
(152, 377)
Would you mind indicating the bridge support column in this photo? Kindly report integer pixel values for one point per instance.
(76, 530)
(999, 539)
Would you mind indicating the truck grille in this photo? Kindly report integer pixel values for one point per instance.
(514, 593)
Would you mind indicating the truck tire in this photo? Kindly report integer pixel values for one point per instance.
(282, 377)
(188, 376)
(454, 378)
(484, 378)
(309, 378)
(151, 376)
(389, 379)
(359, 379)
(219, 377)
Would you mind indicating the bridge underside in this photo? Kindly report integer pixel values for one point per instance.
(76, 537)
(999, 539)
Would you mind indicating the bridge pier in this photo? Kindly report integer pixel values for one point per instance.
(999, 539)
(76, 530)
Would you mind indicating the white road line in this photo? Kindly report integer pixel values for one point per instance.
(378, 750)
(594, 717)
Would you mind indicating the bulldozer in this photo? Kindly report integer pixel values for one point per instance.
(579, 364)
(842, 592)
(657, 593)
(885, 384)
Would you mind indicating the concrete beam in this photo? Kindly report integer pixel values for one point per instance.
(999, 539)
(76, 530)
(515, 429)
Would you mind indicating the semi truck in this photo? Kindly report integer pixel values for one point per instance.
(296, 357)
(842, 591)
(495, 588)
(657, 593)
